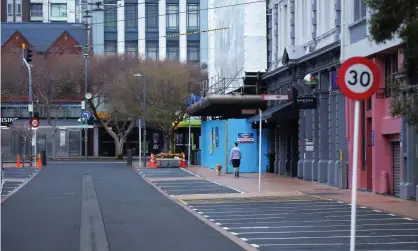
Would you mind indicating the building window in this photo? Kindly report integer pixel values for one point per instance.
(360, 10)
(152, 15)
(152, 50)
(110, 47)
(36, 10)
(193, 51)
(131, 48)
(131, 16)
(172, 50)
(192, 16)
(58, 10)
(172, 17)
(391, 67)
(10, 9)
(110, 17)
(18, 9)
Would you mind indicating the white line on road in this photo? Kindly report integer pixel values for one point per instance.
(255, 245)
(338, 244)
(239, 191)
(377, 211)
(327, 231)
(328, 237)
(205, 216)
(217, 223)
(234, 233)
(321, 226)
(190, 172)
(226, 228)
(244, 239)
(294, 210)
(407, 219)
(314, 221)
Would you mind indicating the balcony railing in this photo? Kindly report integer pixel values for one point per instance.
(36, 14)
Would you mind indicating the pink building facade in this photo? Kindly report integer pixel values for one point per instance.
(380, 156)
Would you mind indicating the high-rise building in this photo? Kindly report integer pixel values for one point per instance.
(46, 11)
(151, 29)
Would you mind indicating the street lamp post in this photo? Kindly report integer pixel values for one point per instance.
(144, 114)
(86, 61)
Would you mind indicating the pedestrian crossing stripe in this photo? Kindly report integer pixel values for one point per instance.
(195, 32)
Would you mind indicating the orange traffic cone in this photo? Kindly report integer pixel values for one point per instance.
(152, 161)
(18, 164)
(183, 163)
(39, 162)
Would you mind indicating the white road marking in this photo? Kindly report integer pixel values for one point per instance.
(317, 221)
(320, 226)
(377, 211)
(294, 210)
(184, 169)
(233, 233)
(363, 207)
(407, 219)
(329, 237)
(328, 231)
(334, 244)
(340, 201)
(391, 214)
(211, 219)
(244, 239)
(226, 228)
(239, 191)
(217, 223)
(205, 216)
(255, 245)
(200, 212)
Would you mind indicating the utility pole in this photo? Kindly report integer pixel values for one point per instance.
(86, 52)
(27, 58)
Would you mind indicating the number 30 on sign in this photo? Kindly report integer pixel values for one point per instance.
(358, 78)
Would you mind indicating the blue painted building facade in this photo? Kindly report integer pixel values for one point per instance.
(217, 140)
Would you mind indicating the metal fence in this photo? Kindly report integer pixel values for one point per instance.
(63, 143)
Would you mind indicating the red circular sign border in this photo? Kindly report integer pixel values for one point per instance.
(341, 76)
(34, 119)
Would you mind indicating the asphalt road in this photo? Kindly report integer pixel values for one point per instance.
(15, 177)
(183, 187)
(98, 206)
(307, 223)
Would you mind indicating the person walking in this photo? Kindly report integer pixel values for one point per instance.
(236, 159)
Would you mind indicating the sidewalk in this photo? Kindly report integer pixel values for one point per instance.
(274, 183)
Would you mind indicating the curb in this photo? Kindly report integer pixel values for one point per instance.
(183, 204)
(6, 197)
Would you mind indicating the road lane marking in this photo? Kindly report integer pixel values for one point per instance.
(192, 173)
(317, 221)
(324, 231)
(255, 245)
(225, 186)
(337, 244)
(92, 231)
(244, 239)
(328, 237)
(318, 226)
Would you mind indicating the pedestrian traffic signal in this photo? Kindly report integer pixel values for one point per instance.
(29, 55)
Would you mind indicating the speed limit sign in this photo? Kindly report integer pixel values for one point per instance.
(358, 78)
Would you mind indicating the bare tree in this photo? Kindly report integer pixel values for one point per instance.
(109, 76)
(25, 135)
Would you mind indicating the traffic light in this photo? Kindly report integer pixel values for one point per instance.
(29, 55)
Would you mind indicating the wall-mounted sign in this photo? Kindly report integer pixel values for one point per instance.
(7, 121)
(245, 137)
(372, 137)
(309, 145)
(306, 102)
(248, 111)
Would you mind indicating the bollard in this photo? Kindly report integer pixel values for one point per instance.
(43, 157)
(129, 157)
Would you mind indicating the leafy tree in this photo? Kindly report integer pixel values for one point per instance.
(399, 18)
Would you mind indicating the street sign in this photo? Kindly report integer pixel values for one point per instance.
(86, 114)
(358, 78)
(269, 97)
(306, 102)
(34, 122)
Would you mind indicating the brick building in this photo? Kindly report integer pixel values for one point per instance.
(43, 38)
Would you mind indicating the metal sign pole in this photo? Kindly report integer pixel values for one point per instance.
(354, 178)
(140, 143)
(259, 153)
(188, 150)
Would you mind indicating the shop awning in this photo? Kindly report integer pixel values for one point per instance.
(228, 106)
(284, 111)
